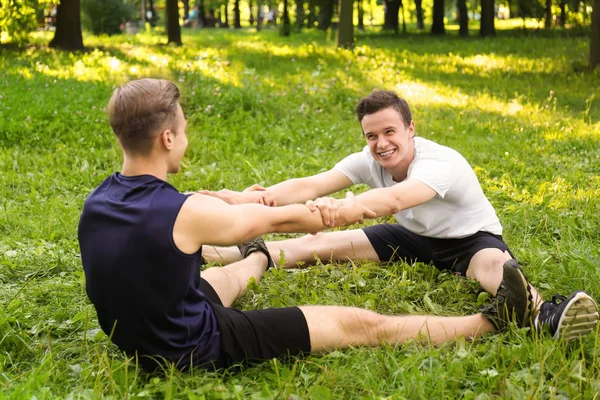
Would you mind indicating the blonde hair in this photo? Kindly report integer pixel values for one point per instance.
(139, 110)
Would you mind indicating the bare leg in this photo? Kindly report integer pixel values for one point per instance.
(486, 268)
(231, 281)
(332, 327)
(327, 246)
(222, 255)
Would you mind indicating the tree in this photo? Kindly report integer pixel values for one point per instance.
(312, 13)
(259, 16)
(486, 25)
(326, 8)
(237, 19)
(463, 18)
(224, 17)
(562, 21)
(345, 37)
(390, 17)
(18, 18)
(173, 28)
(595, 37)
(286, 24)
(186, 9)
(250, 12)
(361, 15)
(68, 26)
(438, 28)
(299, 15)
(548, 14)
(419, 11)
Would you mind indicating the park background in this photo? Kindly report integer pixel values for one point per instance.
(268, 103)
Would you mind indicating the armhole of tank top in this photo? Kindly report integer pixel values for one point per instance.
(172, 240)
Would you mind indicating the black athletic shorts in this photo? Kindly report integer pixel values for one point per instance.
(393, 242)
(257, 335)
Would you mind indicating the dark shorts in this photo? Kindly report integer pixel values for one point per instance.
(393, 242)
(257, 335)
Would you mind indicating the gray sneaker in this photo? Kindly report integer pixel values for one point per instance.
(513, 301)
(254, 245)
(573, 317)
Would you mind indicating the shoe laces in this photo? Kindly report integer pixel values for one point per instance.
(557, 297)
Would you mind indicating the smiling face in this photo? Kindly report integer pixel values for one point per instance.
(390, 140)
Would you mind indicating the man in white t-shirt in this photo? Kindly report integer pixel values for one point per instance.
(443, 217)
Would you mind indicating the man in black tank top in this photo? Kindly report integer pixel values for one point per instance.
(141, 247)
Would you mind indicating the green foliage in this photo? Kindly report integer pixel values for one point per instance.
(19, 17)
(260, 109)
(106, 16)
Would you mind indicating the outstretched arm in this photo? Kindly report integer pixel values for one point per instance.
(382, 201)
(390, 200)
(297, 190)
(207, 220)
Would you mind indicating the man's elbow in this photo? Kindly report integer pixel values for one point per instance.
(395, 206)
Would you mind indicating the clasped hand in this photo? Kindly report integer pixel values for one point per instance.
(340, 212)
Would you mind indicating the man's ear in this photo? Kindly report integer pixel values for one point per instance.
(411, 129)
(166, 138)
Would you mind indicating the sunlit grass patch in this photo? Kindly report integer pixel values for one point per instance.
(260, 109)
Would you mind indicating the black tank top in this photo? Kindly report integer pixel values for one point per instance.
(144, 289)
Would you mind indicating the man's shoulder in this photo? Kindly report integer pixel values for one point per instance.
(362, 156)
(426, 148)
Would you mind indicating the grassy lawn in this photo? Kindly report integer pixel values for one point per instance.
(262, 109)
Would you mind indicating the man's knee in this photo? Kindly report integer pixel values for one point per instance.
(226, 278)
(487, 262)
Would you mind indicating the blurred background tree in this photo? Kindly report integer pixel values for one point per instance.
(20, 17)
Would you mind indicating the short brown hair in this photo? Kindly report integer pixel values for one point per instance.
(381, 99)
(139, 110)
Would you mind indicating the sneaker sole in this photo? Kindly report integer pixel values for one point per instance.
(579, 318)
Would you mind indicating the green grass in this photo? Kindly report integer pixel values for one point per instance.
(262, 108)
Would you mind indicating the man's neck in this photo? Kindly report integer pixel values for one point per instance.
(133, 166)
(400, 171)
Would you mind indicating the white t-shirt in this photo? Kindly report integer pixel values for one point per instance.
(458, 210)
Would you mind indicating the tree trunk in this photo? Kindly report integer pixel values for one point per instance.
(225, 14)
(563, 14)
(202, 14)
(150, 7)
(68, 26)
(251, 16)
(299, 15)
(312, 13)
(419, 11)
(237, 17)
(486, 25)
(259, 16)
(173, 28)
(286, 24)
(548, 14)
(403, 18)
(345, 37)
(595, 38)
(186, 9)
(361, 15)
(390, 17)
(325, 14)
(463, 18)
(438, 28)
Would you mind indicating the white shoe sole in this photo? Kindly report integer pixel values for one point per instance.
(578, 319)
